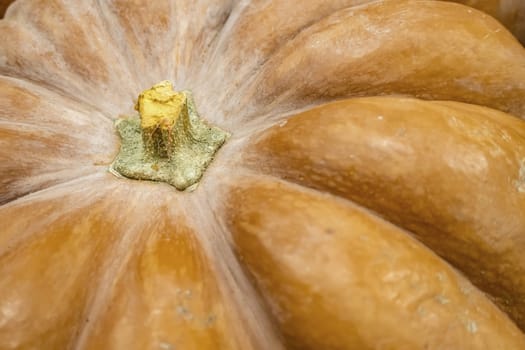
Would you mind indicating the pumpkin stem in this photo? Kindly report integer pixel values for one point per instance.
(169, 142)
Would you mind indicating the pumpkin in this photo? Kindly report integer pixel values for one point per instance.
(511, 13)
(366, 189)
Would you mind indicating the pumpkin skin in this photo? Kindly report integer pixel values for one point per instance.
(371, 195)
(511, 13)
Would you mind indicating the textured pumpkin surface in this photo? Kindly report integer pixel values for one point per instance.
(509, 12)
(371, 196)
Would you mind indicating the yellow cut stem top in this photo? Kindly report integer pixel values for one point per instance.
(160, 106)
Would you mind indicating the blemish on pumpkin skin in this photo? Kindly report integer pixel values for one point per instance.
(472, 326)
(166, 346)
(186, 293)
(442, 299)
(210, 321)
(329, 231)
(184, 313)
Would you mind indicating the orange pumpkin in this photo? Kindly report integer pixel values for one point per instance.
(371, 194)
(509, 12)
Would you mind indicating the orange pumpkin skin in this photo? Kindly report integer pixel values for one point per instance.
(371, 195)
(509, 12)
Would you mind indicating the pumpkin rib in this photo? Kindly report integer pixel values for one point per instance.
(121, 19)
(112, 267)
(245, 172)
(249, 76)
(247, 19)
(418, 60)
(53, 61)
(38, 139)
(106, 21)
(19, 126)
(209, 26)
(243, 33)
(221, 35)
(51, 178)
(59, 92)
(186, 39)
(24, 170)
(216, 241)
(164, 276)
(50, 92)
(72, 233)
(316, 191)
(214, 42)
(293, 215)
(29, 197)
(104, 291)
(379, 156)
(510, 13)
(115, 269)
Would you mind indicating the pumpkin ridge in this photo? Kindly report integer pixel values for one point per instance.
(20, 125)
(304, 188)
(109, 14)
(53, 90)
(215, 43)
(250, 219)
(277, 83)
(215, 239)
(304, 28)
(48, 134)
(105, 19)
(485, 246)
(99, 171)
(252, 125)
(91, 219)
(82, 172)
(247, 10)
(85, 64)
(497, 299)
(113, 268)
(22, 239)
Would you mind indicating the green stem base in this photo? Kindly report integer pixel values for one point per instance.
(193, 144)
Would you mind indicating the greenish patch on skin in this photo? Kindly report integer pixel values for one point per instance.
(177, 155)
